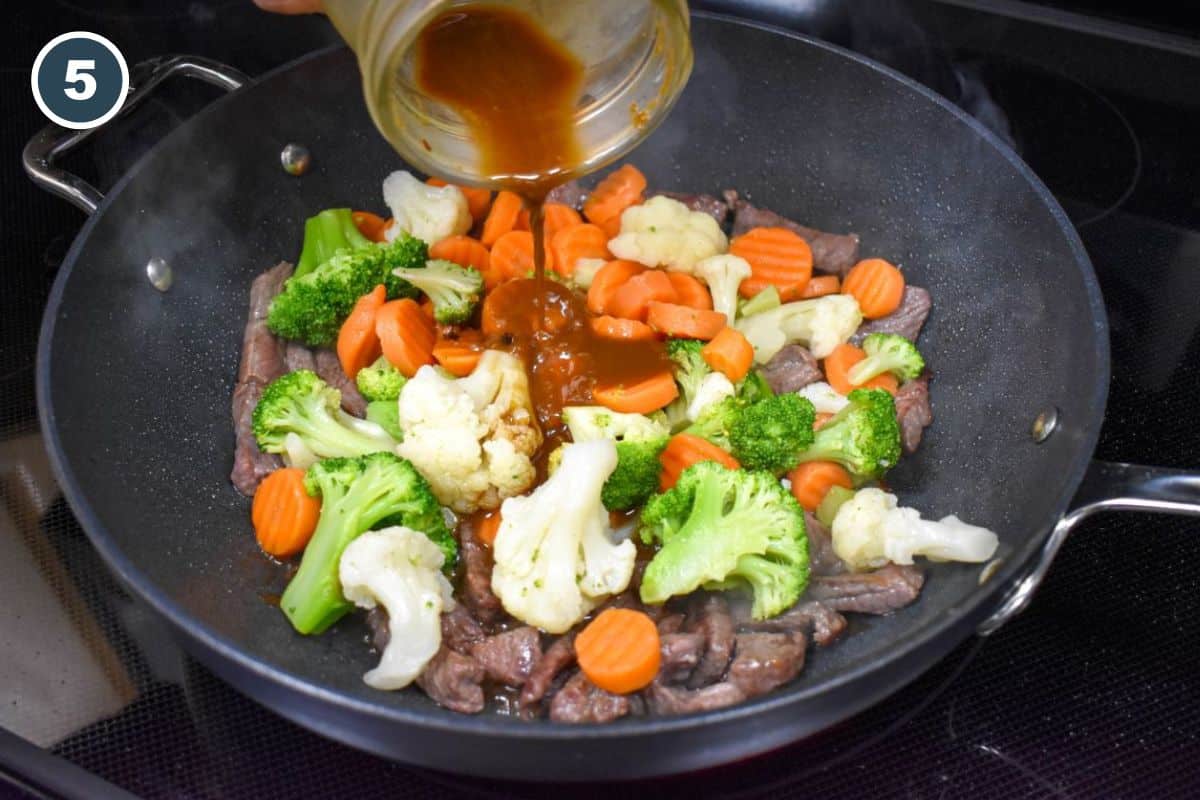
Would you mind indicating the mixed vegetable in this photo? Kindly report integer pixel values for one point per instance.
(597, 504)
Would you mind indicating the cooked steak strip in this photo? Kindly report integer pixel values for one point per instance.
(250, 465)
(460, 630)
(906, 321)
(509, 657)
(665, 700)
(880, 592)
(557, 657)
(709, 615)
(715, 207)
(670, 623)
(454, 681)
(913, 412)
(570, 194)
(791, 369)
(808, 616)
(580, 700)
(381, 634)
(330, 370)
(832, 252)
(297, 356)
(477, 591)
(764, 661)
(821, 558)
(680, 655)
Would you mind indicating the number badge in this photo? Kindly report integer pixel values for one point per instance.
(79, 80)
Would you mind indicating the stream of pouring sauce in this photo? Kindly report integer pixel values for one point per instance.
(517, 89)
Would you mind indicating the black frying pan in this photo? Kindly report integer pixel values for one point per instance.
(134, 384)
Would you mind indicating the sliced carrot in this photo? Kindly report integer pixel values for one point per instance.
(575, 242)
(487, 527)
(729, 353)
(625, 330)
(512, 256)
(837, 368)
(467, 252)
(523, 221)
(690, 291)
(688, 323)
(556, 217)
(776, 256)
(607, 280)
(357, 343)
(506, 208)
(478, 200)
(819, 420)
(632, 299)
(406, 335)
(877, 285)
(649, 394)
(685, 449)
(617, 192)
(619, 650)
(370, 225)
(458, 358)
(819, 286)
(283, 513)
(427, 308)
(810, 481)
(612, 227)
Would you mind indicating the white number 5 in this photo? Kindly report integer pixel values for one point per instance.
(76, 74)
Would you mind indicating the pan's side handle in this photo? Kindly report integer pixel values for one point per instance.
(54, 141)
(1106, 487)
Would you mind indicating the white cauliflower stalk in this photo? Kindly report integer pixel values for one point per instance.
(665, 233)
(870, 529)
(714, 387)
(825, 398)
(430, 213)
(723, 274)
(589, 423)
(400, 569)
(554, 552)
(585, 272)
(473, 438)
(820, 325)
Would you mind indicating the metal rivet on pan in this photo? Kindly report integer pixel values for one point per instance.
(1044, 425)
(160, 274)
(295, 159)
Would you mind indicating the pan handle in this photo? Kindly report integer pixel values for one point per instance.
(1106, 486)
(54, 141)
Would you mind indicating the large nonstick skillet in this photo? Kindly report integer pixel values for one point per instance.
(134, 383)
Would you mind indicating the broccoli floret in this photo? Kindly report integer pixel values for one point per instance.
(313, 306)
(722, 527)
(303, 404)
(386, 414)
(326, 233)
(887, 352)
(380, 381)
(454, 290)
(864, 437)
(754, 387)
(715, 422)
(357, 494)
(636, 475)
(690, 367)
(771, 433)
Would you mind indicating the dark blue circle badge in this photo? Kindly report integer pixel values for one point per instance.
(79, 80)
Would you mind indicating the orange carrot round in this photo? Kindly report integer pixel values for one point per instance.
(469, 253)
(487, 527)
(777, 256)
(685, 449)
(810, 482)
(556, 217)
(357, 343)
(478, 200)
(607, 280)
(458, 358)
(837, 368)
(506, 208)
(370, 225)
(512, 256)
(406, 335)
(575, 242)
(283, 513)
(690, 292)
(612, 227)
(729, 353)
(819, 286)
(617, 192)
(689, 323)
(619, 650)
(631, 300)
(624, 330)
(642, 397)
(877, 285)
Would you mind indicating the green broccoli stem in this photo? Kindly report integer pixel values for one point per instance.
(329, 231)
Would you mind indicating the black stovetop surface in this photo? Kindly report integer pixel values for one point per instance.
(1093, 692)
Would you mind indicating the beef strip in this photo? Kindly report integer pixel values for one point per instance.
(808, 616)
(330, 370)
(832, 252)
(880, 592)
(580, 700)
(709, 615)
(557, 657)
(821, 558)
(764, 661)
(715, 207)
(791, 369)
(509, 657)
(906, 321)
(663, 699)
(250, 465)
(670, 623)
(454, 681)
(381, 634)
(680, 654)
(460, 630)
(477, 591)
(913, 412)
(297, 356)
(570, 194)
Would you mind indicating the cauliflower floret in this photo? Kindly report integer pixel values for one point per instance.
(825, 398)
(714, 387)
(430, 213)
(871, 530)
(473, 438)
(585, 272)
(554, 552)
(401, 570)
(588, 423)
(664, 233)
(820, 325)
(723, 274)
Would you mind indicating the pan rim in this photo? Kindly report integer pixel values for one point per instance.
(951, 620)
